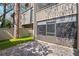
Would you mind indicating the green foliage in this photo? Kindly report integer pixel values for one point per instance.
(23, 8)
(7, 23)
(13, 42)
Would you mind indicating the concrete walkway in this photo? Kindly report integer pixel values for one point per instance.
(38, 48)
(59, 50)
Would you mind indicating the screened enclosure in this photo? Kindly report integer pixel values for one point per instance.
(63, 28)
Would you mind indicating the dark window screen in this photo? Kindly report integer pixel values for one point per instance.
(41, 29)
(51, 28)
(66, 30)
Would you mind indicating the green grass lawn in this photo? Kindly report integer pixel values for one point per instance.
(13, 42)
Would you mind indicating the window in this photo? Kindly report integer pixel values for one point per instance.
(51, 28)
(66, 28)
(41, 29)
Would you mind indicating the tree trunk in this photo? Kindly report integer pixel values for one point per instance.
(3, 19)
(16, 24)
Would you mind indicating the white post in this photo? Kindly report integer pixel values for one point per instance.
(77, 25)
(35, 23)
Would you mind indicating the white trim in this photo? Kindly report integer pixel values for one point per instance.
(66, 19)
(59, 20)
(41, 23)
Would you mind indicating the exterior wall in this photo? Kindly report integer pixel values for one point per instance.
(64, 17)
(56, 11)
(26, 17)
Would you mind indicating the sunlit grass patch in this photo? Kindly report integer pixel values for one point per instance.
(13, 42)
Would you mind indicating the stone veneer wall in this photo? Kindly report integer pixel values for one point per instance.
(58, 10)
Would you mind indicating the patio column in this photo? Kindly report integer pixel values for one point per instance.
(77, 26)
(35, 23)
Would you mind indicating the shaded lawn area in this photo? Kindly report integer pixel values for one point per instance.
(13, 42)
